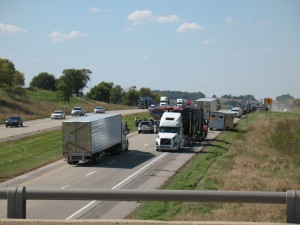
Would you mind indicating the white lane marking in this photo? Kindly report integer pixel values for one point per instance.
(139, 170)
(92, 202)
(90, 173)
(83, 208)
(145, 145)
(64, 186)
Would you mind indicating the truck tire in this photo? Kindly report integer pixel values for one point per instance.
(96, 158)
(72, 162)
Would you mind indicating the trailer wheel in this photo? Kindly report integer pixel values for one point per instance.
(72, 162)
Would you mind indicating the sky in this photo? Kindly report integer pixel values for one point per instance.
(217, 47)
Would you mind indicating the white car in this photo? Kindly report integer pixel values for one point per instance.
(58, 114)
(99, 109)
(288, 109)
(237, 111)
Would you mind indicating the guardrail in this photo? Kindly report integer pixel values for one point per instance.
(17, 197)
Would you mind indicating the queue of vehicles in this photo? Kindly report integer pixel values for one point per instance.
(88, 138)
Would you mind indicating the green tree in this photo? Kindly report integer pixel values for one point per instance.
(131, 97)
(116, 94)
(44, 81)
(11, 80)
(71, 82)
(101, 92)
(146, 92)
(284, 98)
(9, 76)
(64, 90)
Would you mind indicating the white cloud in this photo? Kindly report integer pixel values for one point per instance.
(230, 20)
(57, 36)
(209, 41)
(186, 27)
(146, 15)
(139, 15)
(98, 10)
(166, 19)
(146, 57)
(10, 29)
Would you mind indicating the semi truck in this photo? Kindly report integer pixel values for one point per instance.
(181, 102)
(207, 104)
(179, 128)
(146, 103)
(164, 100)
(221, 120)
(87, 139)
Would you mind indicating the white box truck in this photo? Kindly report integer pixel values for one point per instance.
(221, 120)
(86, 139)
(207, 104)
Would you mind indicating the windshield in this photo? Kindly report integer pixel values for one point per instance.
(13, 118)
(168, 130)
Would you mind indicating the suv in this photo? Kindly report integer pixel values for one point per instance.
(146, 126)
(14, 121)
(77, 111)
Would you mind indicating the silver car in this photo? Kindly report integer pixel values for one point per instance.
(146, 127)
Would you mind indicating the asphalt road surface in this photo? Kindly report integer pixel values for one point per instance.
(141, 167)
(46, 124)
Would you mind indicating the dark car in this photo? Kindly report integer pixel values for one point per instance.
(14, 121)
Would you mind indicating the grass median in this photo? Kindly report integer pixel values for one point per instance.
(29, 153)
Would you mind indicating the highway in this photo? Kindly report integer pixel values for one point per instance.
(141, 167)
(40, 125)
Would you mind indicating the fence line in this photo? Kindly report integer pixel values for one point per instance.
(17, 197)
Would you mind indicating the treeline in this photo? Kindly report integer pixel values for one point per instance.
(71, 82)
(180, 94)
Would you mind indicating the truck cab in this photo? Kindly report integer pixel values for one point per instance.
(170, 135)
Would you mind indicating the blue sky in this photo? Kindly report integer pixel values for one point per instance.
(217, 47)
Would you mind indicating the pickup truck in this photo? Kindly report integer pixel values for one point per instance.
(77, 111)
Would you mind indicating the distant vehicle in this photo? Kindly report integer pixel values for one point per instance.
(207, 104)
(77, 111)
(237, 111)
(14, 121)
(252, 106)
(146, 127)
(58, 114)
(99, 109)
(181, 102)
(221, 120)
(164, 100)
(146, 103)
(288, 109)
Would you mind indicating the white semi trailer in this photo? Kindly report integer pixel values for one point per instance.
(87, 138)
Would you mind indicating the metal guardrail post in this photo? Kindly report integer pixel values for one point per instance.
(293, 206)
(16, 203)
